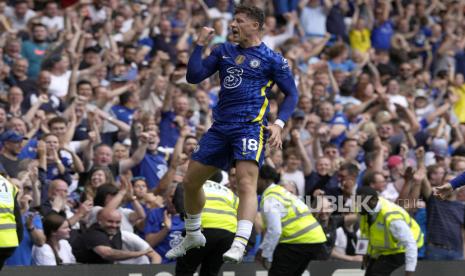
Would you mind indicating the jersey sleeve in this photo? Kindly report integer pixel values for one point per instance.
(282, 76)
(198, 69)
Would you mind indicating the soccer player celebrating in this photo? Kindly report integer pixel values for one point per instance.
(247, 71)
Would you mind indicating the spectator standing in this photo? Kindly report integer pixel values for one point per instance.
(34, 50)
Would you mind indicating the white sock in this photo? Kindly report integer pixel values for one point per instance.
(192, 224)
(244, 229)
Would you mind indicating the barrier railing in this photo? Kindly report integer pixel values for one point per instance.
(326, 268)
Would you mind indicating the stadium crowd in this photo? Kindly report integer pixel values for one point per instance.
(98, 121)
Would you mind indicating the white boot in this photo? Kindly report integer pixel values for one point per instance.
(190, 241)
(234, 254)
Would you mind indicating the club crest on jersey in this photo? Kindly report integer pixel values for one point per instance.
(239, 59)
(254, 63)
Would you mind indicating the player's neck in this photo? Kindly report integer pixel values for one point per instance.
(250, 42)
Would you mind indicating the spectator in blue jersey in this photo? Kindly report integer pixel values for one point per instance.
(33, 233)
(153, 166)
(124, 111)
(384, 27)
(337, 122)
(164, 226)
(29, 148)
(339, 58)
(56, 165)
(173, 116)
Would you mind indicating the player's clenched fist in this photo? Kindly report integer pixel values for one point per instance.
(205, 36)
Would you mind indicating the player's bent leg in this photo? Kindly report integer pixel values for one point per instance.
(196, 175)
(247, 176)
(194, 200)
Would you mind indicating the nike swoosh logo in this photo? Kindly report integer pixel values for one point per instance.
(225, 57)
(245, 153)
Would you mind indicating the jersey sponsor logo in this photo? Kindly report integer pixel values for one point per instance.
(176, 238)
(239, 59)
(254, 63)
(234, 78)
(161, 170)
(285, 64)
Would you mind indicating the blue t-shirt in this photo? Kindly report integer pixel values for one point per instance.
(23, 254)
(153, 224)
(460, 62)
(29, 150)
(339, 119)
(381, 35)
(169, 130)
(346, 66)
(52, 168)
(123, 113)
(152, 167)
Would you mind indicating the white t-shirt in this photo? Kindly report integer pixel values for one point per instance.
(313, 21)
(56, 22)
(390, 193)
(59, 84)
(132, 242)
(16, 22)
(340, 244)
(214, 13)
(125, 223)
(298, 178)
(44, 255)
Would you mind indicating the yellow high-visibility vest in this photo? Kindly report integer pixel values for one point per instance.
(8, 235)
(381, 241)
(220, 209)
(298, 225)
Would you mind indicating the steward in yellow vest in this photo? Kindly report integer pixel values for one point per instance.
(10, 220)
(293, 237)
(219, 223)
(393, 235)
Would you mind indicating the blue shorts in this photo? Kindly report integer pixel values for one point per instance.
(223, 144)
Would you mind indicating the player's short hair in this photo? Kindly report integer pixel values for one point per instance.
(252, 12)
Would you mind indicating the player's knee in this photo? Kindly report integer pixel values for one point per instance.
(190, 183)
(246, 187)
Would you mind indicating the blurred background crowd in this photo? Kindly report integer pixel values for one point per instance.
(96, 113)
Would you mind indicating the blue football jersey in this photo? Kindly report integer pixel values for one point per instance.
(247, 75)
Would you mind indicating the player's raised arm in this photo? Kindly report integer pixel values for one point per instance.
(283, 78)
(198, 69)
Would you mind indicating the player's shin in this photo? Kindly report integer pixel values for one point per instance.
(193, 203)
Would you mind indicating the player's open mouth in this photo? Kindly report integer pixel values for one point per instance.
(235, 31)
